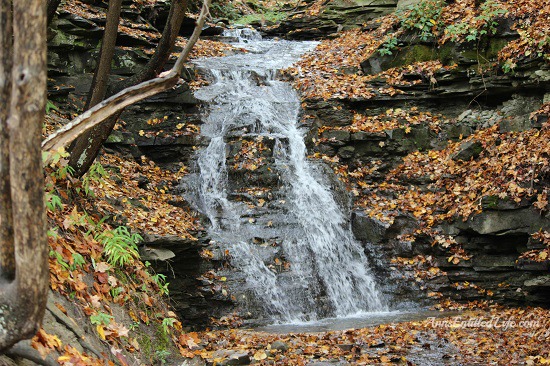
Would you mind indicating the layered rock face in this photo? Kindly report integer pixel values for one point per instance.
(464, 102)
(311, 23)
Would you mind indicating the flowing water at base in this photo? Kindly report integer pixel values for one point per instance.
(328, 273)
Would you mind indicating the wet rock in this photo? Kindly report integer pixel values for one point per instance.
(280, 346)
(335, 16)
(363, 136)
(142, 181)
(488, 263)
(338, 135)
(529, 265)
(468, 150)
(346, 347)
(525, 220)
(514, 124)
(346, 152)
(367, 228)
(542, 281)
(231, 357)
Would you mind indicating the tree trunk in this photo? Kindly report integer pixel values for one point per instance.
(7, 254)
(23, 300)
(103, 70)
(86, 147)
(162, 52)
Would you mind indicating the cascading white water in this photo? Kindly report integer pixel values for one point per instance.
(329, 274)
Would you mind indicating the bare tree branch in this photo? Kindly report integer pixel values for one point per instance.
(103, 69)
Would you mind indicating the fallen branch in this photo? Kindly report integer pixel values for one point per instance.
(126, 97)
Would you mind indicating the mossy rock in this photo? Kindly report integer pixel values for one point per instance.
(449, 53)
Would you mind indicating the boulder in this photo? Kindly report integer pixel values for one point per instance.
(524, 220)
(280, 346)
(367, 228)
(468, 150)
(542, 281)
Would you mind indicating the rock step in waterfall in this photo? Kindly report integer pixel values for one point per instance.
(268, 205)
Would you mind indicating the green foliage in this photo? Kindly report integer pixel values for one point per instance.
(120, 246)
(424, 16)
(388, 47)
(160, 281)
(101, 319)
(270, 16)
(223, 9)
(481, 25)
(161, 355)
(78, 261)
(96, 173)
(115, 291)
(53, 201)
(509, 66)
(167, 323)
(52, 233)
(59, 257)
(58, 163)
(50, 106)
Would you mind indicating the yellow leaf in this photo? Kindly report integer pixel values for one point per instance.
(100, 331)
(141, 132)
(543, 255)
(260, 355)
(223, 279)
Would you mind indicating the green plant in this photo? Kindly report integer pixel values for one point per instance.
(53, 201)
(96, 173)
(50, 106)
(388, 47)
(161, 355)
(509, 66)
(134, 326)
(120, 246)
(223, 9)
(160, 281)
(59, 258)
(52, 233)
(483, 24)
(424, 16)
(78, 261)
(115, 291)
(167, 323)
(101, 319)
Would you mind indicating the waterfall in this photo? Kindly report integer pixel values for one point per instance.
(328, 273)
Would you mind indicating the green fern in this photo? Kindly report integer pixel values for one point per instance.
(120, 246)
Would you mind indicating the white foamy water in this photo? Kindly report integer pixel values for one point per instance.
(329, 275)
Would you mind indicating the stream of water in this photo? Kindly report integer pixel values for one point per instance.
(328, 273)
